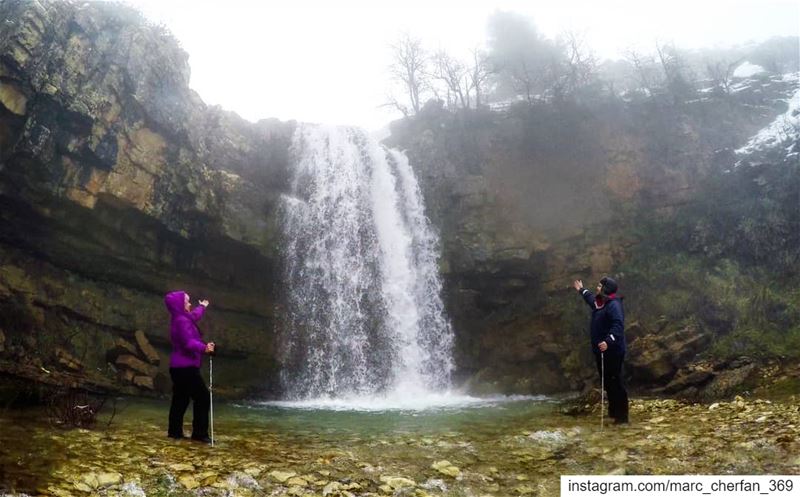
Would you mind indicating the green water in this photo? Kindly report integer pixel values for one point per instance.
(514, 448)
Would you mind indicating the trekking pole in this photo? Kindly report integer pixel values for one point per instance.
(602, 390)
(211, 393)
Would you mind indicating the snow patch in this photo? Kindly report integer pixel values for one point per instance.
(785, 128)
(746, 70)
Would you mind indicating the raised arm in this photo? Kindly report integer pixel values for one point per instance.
(586, 294)
(198, 312)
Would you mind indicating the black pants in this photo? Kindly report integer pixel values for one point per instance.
(187, 384)
(615, 387)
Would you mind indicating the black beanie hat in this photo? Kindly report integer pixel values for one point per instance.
(609, 285)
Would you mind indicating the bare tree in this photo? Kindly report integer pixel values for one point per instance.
(644, 66)
(409, 67)
(721, 72)
(581, 64)
(453, 74)
(677, 74)
(479, 74)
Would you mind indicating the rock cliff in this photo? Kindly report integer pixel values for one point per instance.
(529, 199)
(117, 184)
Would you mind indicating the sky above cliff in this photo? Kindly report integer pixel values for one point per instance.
(311, 61)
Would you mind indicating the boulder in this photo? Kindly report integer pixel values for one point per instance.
(689, 378)
(730, 381)
(137, 365)
(127, 376)
(147, 350)
(655, 359)
(121, 347)
(68, 360)
(145, 382)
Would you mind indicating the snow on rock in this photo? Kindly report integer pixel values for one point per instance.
(783, 131)
(746, 70)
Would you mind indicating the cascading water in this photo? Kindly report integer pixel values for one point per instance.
(363, 314)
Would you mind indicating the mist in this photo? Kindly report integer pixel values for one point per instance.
(316, 63)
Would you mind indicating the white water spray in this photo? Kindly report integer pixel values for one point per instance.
(363, 314)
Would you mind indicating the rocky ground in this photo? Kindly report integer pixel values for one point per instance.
(524, 456)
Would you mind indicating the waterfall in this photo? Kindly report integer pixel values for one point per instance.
(362, 311)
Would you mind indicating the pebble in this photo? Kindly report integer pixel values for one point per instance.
(444, 467)
(282, 476)
(397, 482)
(189, 482)
(297, 481)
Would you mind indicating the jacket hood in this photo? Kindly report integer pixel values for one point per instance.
(175, 302)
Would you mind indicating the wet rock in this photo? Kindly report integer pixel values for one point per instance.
(397, 482)
(90, 480)
(188, 481)
(524, 490)
(207, 477)
(108, 478)
(281, 476)
(145, 382)
(297, 481)
(296, 491)
(101, 479)
(253, 471)
(68, 360)
(331, 488)
(444, 467)
(147, 349)
(121, 347)
(727, 382)
(242, 480)
(181, 467)
(656, 358)
(687, 378)
(12, 98)
(137, 365)
(83, 487)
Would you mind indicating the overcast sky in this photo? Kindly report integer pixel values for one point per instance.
(313, 61)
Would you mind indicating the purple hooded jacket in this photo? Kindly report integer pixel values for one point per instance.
(187, 348)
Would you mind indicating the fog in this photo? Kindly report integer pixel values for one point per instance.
(313, 62)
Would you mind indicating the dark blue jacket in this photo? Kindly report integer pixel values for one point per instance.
(608, 323)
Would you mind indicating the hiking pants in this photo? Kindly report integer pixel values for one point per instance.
(615, 387)
(187, 384)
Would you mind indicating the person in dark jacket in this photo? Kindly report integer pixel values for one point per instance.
(608, 338)
(184, 366)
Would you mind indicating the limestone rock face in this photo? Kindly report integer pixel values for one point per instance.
(118, 184)
(529, 199)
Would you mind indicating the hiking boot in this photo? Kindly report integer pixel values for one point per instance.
(204, 440)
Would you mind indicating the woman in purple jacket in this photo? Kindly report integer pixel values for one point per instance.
(184, 366)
